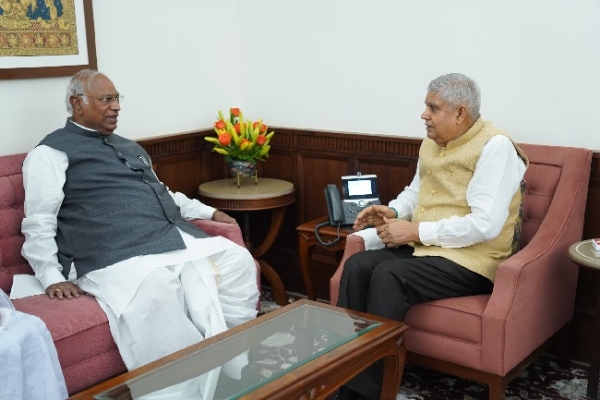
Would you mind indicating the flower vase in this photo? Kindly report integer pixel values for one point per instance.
(242, 169)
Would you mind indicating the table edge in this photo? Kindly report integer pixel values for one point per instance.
(581, 259)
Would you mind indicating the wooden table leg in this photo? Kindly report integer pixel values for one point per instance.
(393, 369)
(593, 390)
(246, 232)
(268, 271)
(275, 281)
(304, 252)
(274, 227)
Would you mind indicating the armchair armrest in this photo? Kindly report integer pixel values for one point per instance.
(229, 231)
(354, 244)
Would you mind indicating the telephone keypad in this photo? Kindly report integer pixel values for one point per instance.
(353, 207)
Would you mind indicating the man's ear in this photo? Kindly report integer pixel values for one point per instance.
(462, 113)
(76, 104)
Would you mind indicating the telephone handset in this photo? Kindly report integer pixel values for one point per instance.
(334, 205)
(335, 212)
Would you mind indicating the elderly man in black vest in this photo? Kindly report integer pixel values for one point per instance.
(98, 221)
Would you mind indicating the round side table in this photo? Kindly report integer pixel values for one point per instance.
(264, 194)
(584, 254)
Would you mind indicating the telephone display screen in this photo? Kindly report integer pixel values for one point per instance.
(359, 186)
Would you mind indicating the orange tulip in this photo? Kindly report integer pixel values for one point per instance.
(235, 112)
(237, 127)
(260, 140)
(220, 125)
(225, 139)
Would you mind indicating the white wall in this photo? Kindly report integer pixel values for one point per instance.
(363, 66)
(173, 66)
(345, 65)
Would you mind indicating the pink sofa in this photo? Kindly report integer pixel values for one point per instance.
(492, 338)
(79, 328)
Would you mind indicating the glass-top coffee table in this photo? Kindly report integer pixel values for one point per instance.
(304, 350)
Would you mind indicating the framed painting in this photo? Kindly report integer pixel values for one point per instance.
(46, 38)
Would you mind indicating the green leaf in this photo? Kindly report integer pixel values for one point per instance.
(265, 150)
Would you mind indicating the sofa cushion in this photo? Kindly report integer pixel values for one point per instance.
(457, 317)
(78, 326)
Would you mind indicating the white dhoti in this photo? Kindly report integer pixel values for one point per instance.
(159, 304)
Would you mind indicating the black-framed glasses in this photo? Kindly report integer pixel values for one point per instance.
(106, 99)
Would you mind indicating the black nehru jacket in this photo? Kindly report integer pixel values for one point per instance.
(115, 207)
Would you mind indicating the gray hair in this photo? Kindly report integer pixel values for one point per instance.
(457, 89)
(78, 85)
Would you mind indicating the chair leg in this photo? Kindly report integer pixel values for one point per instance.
(563, 347)
(497, 388)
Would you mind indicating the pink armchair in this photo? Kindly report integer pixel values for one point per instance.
(492, 338)
(79, 328)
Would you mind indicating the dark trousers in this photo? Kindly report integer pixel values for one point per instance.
(387, 282)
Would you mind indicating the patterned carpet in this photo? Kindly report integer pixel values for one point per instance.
(542, 380)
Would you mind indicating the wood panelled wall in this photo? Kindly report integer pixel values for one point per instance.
(312, 159)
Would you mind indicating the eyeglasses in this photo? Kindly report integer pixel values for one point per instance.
(106, 99)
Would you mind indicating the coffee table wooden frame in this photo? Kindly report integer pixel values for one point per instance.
(316, 379)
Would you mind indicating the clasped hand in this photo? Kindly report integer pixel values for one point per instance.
(392, 231)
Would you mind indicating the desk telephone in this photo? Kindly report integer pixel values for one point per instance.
(359, 191)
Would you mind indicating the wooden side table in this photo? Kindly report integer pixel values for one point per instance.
(306, 242)
(586, 256)
(265, 194)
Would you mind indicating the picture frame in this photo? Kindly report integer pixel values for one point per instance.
(46, 67)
